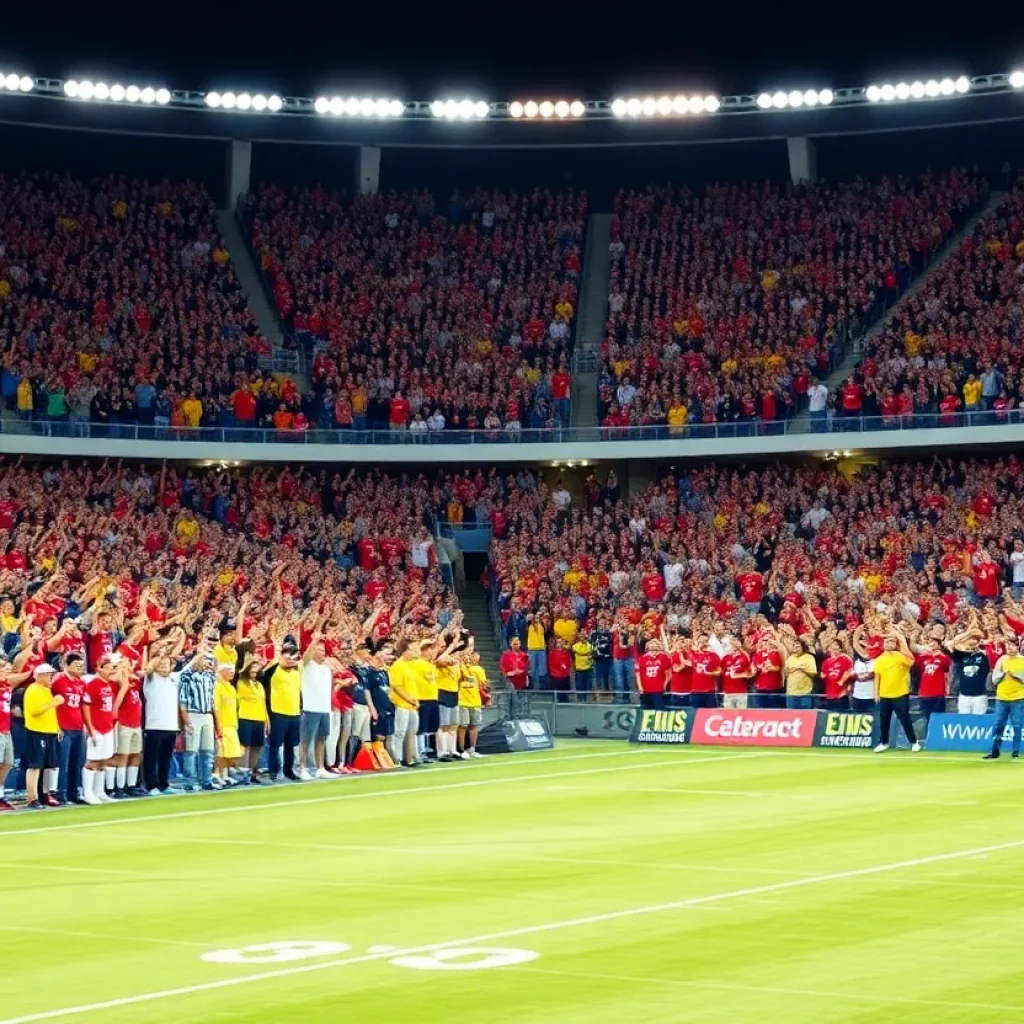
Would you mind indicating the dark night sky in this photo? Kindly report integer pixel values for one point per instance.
(592, 51)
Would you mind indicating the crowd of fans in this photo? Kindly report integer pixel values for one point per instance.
(725, 305)
(734, 571)
(419, 318)
(947, 352)
(223, 612)
(119, 305)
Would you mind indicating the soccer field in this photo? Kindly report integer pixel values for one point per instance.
(593, 883)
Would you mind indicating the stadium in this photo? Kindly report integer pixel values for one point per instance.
(565, 537)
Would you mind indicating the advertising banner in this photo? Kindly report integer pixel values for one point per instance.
(844, 729)
(754, 728)
(662, 726)
(963, 732)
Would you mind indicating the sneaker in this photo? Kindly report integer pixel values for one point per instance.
(105, 798)
(476, 756)
(5, 805)
(188, 787)
(304, 774)
(208, 787)
(993, 756)
(138, 791)
(167, 792)
(154, 792)
(51, 801)
(916, 748)
(323, 773)
(881, 748)
(89, 797)
(255, 780)
(466, 755)
(1016, 757)
(34, 805)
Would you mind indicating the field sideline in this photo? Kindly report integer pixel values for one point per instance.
(585, 884)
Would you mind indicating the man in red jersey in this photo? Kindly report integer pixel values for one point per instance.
(6, 743)
(837, 674)
(750, 587)
(986, 578)
(70, 684)
(653, 675)
(679, 687)
(560, 669)
(736, 675)
(101, 639)
(515, 666)
(128, 731)
(769, 691)
(706, 668)
(101, 694)
(933, 664)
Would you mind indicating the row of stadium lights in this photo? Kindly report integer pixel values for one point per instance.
(469, 110)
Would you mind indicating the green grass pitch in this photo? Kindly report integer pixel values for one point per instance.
(593, 883)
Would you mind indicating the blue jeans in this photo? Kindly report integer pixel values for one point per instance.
(538, 669)
(602, 674)
(1011, 711)
(819, 421)
(584, 682)
(624, 677)
(72, 761)
(807, 703)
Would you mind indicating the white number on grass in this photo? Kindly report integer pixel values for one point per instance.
(475, 959)
(275, 952)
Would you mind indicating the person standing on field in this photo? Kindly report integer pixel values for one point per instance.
(317, 684)
(653, 673)
(971, 672)
(892, 689)
(41, 730)
(70, 684)
(471, 684)
(195, 701)
(98, 704)
(1008, 675)
(162, 721)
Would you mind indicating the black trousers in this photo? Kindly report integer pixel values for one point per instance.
(900, 707)
(157, 749)
(284, 732)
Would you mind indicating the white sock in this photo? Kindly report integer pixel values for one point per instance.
(119, 775)
(97, 786)
(1, 791)
(50, 780)
(133, 775)
(88, 780)
(109, 776)
(449, 744)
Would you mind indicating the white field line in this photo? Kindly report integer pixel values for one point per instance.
(768, 990)
(127, 940)
(371, 794)
(512, 933)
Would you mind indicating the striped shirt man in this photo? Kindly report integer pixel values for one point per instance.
(195, 691)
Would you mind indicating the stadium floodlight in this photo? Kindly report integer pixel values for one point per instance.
(366, 108)
(680, 105)
(212, 99)
(437, 108)
(86, 91)
(779, 100)
(322, 105)
(547, 108)
(336, 106)
(562, 108)
(712, 104)
(810, 98)
(515, 109)
(634, 107)
(917, 90)
(467, 109)
(163, 97)
(903, 91)
(382, 108)
(13, 82)
(259, 102)
(26, 83)
(649, 106)
(274, 103)
(619, 108)
(70, 88)
(825, 97)
(796, 99)
(350, 106)
(244, 101)
(117, 92)
(396, 108)
(577, 109)
(664, 105)
(696, 104)
(931, 87)
(148, 95)
(888, 93)
(482, 109)
(531, 109)
(874, 94)
(228, 101)
(133, 92)
(764, 101)
(101, 91)
(451, 109)
(947, 87)
(962, 84)
(1017, 79)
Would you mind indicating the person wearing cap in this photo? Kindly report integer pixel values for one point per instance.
(225, 724)
(195, 705)
(283, 681)
(70, 684)
(101, 692)
(41, 732)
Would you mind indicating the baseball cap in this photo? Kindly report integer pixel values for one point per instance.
(45, 669)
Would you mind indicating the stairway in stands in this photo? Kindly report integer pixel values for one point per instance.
(592, 318)
(473, 602)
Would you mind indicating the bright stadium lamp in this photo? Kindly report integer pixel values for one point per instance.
(451, 109)
(634, 107)
(531, 109)
(903, 91)
(396, 108)
(244, 101)
(86, 90)
(1017, 79)
(515, 109)
(133, 92)
(117, 92)
(825, 97)
(163, 97)
(148, 95)
(547, 108)
(680, 105)
(381, 108)
(962, 84)
(874, 94)
(366, 108)
(649, 106)
(696, 104)
(712, 104)
(917, 90)
(664, 105)
(779, 100)
(338, 106)
(437, 108)
(888, 93)
(26, 83)
(577, 109)
(810, 98)
(562, 108)
(467, 109)
(931, 87)
(322, 105)
(274, 103)
(213, 99)
(259, 102)
(947, 87)
(70, 88)
(619, 108)
(796, 99)
(101, 91)
(12, 82)
(764, 100)
(481, 108)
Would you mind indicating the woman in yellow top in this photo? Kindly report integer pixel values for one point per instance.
(799, 671)
(253, 717)
(225, 724)
(24, 395)
(892, 689)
